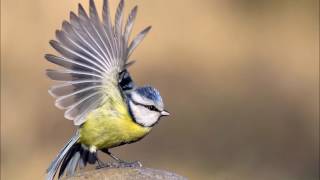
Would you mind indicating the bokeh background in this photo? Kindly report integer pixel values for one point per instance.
(239, 77)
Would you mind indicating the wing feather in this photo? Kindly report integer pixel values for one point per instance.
(91, 30)
(71, 64)
(107, 26)
(96, 21)
(93, 55)
(65, 101)
(82, 112)
(138, 39)
(78, 107)
(119, 18)
(70, 75)
(82, 34)
(72, 86)
(118, 29)
(72, 45)
(129, 24)
(77, 55)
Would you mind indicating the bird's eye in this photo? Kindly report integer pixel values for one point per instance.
(152, 108)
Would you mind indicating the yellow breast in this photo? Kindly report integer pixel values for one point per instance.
(108, 127)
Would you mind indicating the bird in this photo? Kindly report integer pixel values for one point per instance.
(95, 89)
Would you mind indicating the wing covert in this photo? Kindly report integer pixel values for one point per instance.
(93, 54)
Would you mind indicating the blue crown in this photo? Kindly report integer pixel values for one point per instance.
(150, 93)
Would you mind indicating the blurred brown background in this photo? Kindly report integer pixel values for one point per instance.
(239, 77)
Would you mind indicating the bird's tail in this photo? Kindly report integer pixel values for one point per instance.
(71, 156)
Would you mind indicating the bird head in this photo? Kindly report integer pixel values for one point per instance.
(146, 106)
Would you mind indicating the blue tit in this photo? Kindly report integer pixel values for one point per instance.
(95, 88)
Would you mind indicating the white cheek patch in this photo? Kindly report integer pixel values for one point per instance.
(143, 115)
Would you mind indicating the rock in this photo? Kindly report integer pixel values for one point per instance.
(138, 173)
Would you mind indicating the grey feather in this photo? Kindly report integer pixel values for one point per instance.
(71, 86)
(93, 54)
(137, 40)
(130, 63)
(77, 47)
(66, 101)
(93, 13)
(52, 169)
(69, 75)
(72, 166)
(81, 163)
(101, 32)
(119, 18)
(91, 31)
(107, 26)
(118, 30)
(81, 117)
(129, 24)
(106, 16)
(79, 105)
(75, 65)
(79, 110)
(82, 34)
(76, 55)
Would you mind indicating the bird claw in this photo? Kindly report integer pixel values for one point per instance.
(120, 164)
(134, 164)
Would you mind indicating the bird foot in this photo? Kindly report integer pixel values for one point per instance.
(120, 164)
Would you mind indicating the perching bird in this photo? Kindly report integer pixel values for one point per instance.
(96, 90)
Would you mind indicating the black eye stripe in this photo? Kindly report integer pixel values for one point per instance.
(150, 107)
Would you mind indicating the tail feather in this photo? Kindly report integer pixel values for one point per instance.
(71, 156)
(65, 151)
(72, 165)
(73, 150)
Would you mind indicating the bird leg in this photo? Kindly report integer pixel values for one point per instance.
(101, 164)
(118, 164)
(114, 157)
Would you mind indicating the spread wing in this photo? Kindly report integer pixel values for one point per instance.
(93, 54)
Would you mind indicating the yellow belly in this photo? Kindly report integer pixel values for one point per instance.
(106, 130)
